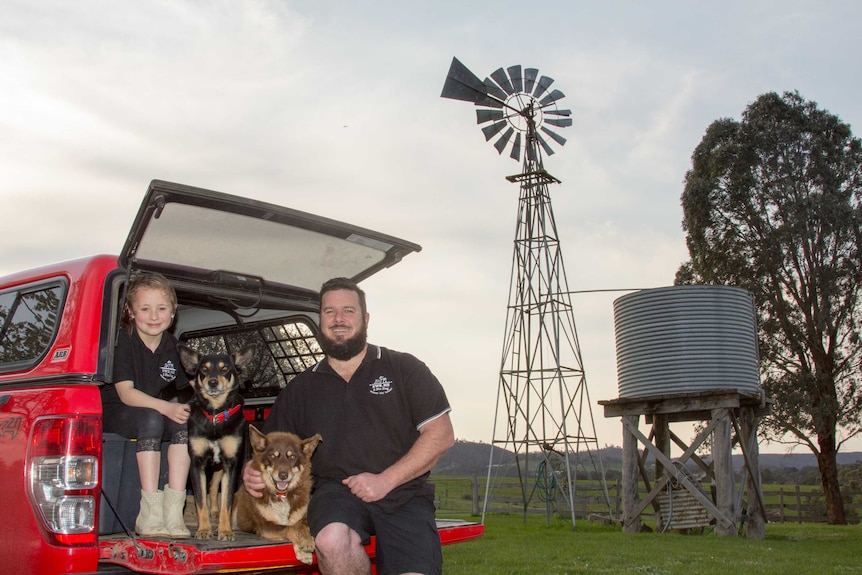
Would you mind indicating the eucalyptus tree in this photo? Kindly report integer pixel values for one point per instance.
(772, 204)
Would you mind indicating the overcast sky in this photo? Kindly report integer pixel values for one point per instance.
(333, 107)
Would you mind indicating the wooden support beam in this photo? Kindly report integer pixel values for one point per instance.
(720, 407)
(661, 433)
(721, 457)
(721, 519)
(747, 431)
(630, 469)
(694, 456)
(672, 404)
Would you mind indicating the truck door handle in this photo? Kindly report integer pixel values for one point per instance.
(4, 399)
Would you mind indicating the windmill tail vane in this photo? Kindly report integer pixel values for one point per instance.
(516, 105)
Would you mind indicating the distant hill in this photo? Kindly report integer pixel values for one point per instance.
(468, 458)
(797, 460)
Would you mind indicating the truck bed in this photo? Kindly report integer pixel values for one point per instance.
(247, 553)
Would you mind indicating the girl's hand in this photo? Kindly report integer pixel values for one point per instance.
(177, 412)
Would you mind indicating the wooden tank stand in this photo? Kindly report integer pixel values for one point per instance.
(724, 410)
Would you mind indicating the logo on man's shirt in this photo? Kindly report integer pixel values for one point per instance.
(381, 386)
(168, 371)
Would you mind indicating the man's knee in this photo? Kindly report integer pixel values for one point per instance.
(337, 538)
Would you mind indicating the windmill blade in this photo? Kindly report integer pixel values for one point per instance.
(494, 91)
(515, 75)
(499, 76)
(530, 79)
(542, 86)
(483, 116)
(462, 84)
(554, 136)
(561, 123)
(551, 98)
(493, 129)
(545, 145)
(507, 99)
(491, 102)
(504, 139)
(516, 148)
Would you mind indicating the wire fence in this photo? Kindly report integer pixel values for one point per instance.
(466, 496)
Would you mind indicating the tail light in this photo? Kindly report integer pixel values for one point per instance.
(62, 478)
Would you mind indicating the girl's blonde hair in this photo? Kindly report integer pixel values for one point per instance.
(149, 280)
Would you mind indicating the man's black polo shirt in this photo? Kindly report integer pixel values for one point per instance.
(368, 423)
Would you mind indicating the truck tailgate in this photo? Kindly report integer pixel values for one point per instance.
(247, 553)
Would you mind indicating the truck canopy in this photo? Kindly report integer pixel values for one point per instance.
(196, 235)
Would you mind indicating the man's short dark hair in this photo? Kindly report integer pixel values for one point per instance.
(346, 284)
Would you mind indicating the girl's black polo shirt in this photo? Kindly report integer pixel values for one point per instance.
(149, 371)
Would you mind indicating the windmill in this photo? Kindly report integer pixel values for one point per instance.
(543, 407)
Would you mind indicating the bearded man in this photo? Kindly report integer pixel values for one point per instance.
(384, 419)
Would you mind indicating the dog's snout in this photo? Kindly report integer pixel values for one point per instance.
(283, 475)
(212, 382)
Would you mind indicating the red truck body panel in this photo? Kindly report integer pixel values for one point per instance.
(76, 347)
(65, 382)
(190, 557)
(57, 325)
(27, 548)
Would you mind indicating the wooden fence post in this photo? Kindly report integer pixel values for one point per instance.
(798, 506)
(781, 503)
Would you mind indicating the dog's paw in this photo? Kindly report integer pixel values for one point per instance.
(303, 548)
(203, 534)
(226, 536)
(306, 557)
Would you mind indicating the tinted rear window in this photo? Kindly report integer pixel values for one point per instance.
(283, 349)
(29, 317)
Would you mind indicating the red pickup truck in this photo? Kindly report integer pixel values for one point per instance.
(245, 272)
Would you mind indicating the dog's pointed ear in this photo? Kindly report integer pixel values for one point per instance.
(256, 438)
(243, 356)
(189, 358)
(310, 444)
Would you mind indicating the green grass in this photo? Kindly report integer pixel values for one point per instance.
(511, 547)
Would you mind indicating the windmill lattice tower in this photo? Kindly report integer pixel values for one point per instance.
(543, 408)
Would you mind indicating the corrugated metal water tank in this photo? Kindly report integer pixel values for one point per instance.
(685, 339)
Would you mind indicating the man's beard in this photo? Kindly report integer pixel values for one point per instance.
(345, 349)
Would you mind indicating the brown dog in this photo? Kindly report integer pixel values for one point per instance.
(284, 461)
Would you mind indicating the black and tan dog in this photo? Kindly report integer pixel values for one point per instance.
(216, 433)
(284, 461)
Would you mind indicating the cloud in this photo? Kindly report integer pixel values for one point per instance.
(333, 108)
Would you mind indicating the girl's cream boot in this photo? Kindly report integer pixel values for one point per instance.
(175, 502)
(151, 518)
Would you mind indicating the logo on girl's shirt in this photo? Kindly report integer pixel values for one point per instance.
(169, 371)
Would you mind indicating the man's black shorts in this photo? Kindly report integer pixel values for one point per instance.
(407, 538)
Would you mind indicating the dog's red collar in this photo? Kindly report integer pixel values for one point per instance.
(222, 415)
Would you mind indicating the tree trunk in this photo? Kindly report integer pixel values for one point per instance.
(827, 461)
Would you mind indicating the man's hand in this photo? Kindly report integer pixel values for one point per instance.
(368, 487)
(252, 480)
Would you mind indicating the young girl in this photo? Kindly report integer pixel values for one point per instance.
(146, 361)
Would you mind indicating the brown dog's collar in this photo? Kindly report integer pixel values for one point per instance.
(222, 415)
